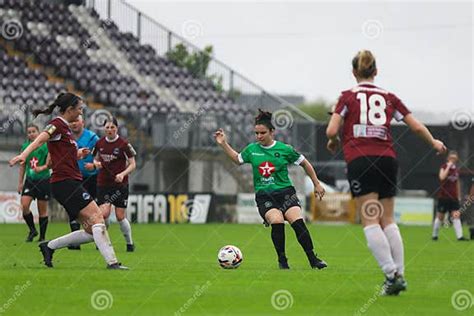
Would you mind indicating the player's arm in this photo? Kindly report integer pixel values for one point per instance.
(96, 164)
(21, 178)
(46, 166)
(443, 173)
(221, 139)
(332, 132)
(459, 190)
(318, 188)
(42, 138)
(420, 129)
(131, 166)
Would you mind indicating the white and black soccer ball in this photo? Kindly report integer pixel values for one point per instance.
(229, 257)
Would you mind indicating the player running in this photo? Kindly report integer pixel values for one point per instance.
(116, 159)
(66, 181)
(85, 138)
(364, 113)
(35, 185)
(449, 196)
(274, 192)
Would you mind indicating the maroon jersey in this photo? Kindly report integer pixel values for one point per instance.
(449, 186)
(63, 150)
(367, 111)
(113, 156)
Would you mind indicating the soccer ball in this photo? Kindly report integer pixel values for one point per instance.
(229, 257)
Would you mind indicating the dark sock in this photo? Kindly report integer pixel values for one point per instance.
(29, 221)
(43, 221)
(303, 236)
(74, 226)
(278, 238)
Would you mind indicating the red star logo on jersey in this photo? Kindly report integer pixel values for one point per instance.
(33, 162)
(266, 169)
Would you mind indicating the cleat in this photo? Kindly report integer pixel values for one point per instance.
(434, 238)
(393, 287)
(31, 235)
(74, 247)
(117, 266)
(130, 247)
(283, 263)
(315, 262)
(47, 254)
(463, 239)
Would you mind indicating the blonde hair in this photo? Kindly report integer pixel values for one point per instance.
(363, 64)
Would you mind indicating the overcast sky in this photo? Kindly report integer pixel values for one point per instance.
(424, 50)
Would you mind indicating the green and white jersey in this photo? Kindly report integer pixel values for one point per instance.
(270, 164)
(36, 158)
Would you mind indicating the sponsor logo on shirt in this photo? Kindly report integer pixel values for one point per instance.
(257, 154)
(266, 169)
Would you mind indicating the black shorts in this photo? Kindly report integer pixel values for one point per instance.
(90, 184)
(117, 196)
(373, 174)
(448, 205)
(72, 196)
(282, 199)
(37, 189)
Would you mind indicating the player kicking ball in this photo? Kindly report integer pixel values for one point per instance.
(66, 182)
(274, 192)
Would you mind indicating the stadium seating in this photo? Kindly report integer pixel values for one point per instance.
(107, 64)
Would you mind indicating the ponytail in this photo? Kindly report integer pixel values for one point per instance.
(63, 101)
(364, 64)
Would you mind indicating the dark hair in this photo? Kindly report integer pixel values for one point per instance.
(112, 119)
(364, 64)
(63, 101)
(33, 125)
(264, 118)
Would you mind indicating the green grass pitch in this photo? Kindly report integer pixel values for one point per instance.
(174, 271)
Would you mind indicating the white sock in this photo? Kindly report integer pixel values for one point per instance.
(392, 232)
(75, 238)
(457, 227)
(126, 231)
(102, 240)
(436, 225)
(378, 244)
